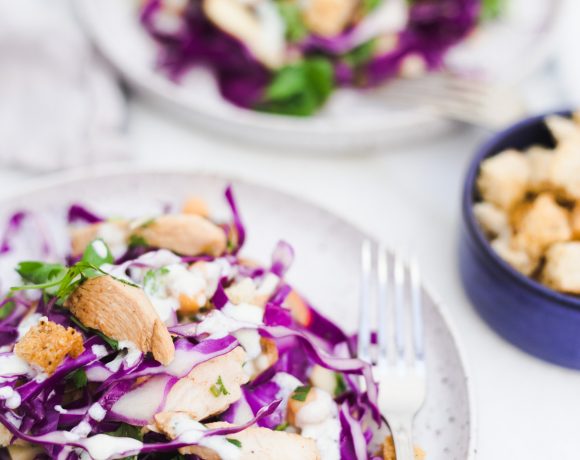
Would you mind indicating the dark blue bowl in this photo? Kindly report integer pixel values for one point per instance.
(533, 317)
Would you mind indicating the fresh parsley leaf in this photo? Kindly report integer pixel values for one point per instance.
(360, 55)
(492, 9)
(340, 386)
(301, 393)
(370, 5)
(151, 280)
(300, 88)
(127, 431)
(79, 378)
(6, 309)
(218, 388)
(235, 442)
(114, 344)
(282, 427)
(137, 241)
(292, 14)
(37, 272)
(94, 253)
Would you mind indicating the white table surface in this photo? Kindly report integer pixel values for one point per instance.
(409, 198)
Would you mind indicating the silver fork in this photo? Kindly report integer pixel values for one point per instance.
(487, 104)
(401, 376)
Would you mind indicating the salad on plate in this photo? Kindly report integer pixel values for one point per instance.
(288, 56)
(157, 339)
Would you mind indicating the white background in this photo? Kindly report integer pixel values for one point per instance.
(408, 197)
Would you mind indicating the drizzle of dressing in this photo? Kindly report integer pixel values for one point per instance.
(319, 421)
(114, 237)
(103, 446)
(11, 396)
(143, 402)
(97, 412)
(11, 365)
(28, 322)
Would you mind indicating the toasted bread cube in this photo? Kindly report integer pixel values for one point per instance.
(540, 161)
(575, 221)
(517, 258)
(493, 220)
(562, 269)
(389, 450)
(196, 206)
(544, 224)
(46, 344)
(503, 179)
(565, 170)
(328, 18)
(562, 128)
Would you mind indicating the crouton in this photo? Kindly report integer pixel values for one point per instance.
(122, 312)
(544, 223)
(493, 220)
(195, 206)
(540, 162)
(562, 128)
(389, 450)
(503, 178)
(575, 221)
(255, 443)
(328, 18)
(114, 234)
(210, 387)
(5, 436)
(517, 258)
(46, 344)
(565, 170)
(188, 235)
(562, 269)
(516, 216)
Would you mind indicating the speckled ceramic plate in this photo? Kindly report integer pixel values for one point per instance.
(325, 269)
(352, 121)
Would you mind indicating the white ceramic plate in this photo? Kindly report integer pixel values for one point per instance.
(325, 270)
(509, 49)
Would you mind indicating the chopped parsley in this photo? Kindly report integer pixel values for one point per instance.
(137, 241)
(218, 388)
(235, 442)
(6, 309)
(291, 12)
(301, 393)
(282, 427)
(78, 378)
(340, 386)
(114, 344)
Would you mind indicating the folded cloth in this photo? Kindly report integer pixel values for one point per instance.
(60, 105)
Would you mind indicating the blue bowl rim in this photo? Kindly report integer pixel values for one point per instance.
(489, 148)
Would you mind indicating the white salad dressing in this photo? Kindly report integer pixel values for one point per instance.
(143, 402)
(319, 420)
(11, 396)
(29, 322)
(97, 412)
(99, 351)
(114, 237)
(287, 383)
(100, 248)
(249, 338)
(103, 446)
(273, 28)
(60, 409)
(11, 364)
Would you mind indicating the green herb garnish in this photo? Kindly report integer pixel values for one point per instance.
(114, 344)
(299, 88)
(218, 388)
(340, 386)
(235, 442)
(292, 14)
(78, 378)
(137, 241)
(6, 309)
(301, 393)
(128, 431)
(282, 427)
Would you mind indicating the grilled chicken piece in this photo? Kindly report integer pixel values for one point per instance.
(266, 43)
(46, 344)
(328, 17)
(255, 443)
(210, 387)
(197, 206)
(114, 234)
(122, 312)
(185, 234)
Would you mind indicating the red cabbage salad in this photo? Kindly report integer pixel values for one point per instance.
(288, 56)
(157, 339)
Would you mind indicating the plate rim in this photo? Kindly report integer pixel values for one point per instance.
(36, 185)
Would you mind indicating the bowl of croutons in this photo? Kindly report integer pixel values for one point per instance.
(520, 243)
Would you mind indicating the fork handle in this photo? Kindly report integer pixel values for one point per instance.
(403, 440)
